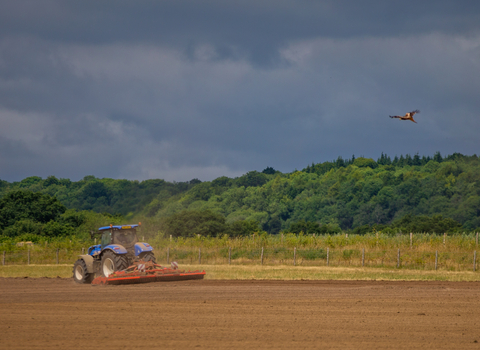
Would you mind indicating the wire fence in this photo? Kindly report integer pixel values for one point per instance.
(387, 258)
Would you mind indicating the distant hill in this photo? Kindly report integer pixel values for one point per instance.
(346, 194)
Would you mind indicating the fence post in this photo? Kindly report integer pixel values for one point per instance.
(411, 240)
(199, 255)
(282, 238)
(398, 258)
(363, 257)
(474, 260)
(229, 255)
(328, 256)
(3, 259)
(476, 240)
(28, 259)
(168, 255)
(444, 237)
(346, 235)
(436, 259)
(170, 238)
(294, 256)
(262, 256)
(83, 251)
(58, 249)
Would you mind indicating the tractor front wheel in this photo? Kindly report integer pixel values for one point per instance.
(112, 262)
(80, 272)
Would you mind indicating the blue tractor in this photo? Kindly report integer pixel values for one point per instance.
(119, 249)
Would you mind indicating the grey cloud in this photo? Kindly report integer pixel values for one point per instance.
(256, 28)
(179, 90)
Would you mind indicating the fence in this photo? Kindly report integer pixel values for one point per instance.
(393, 258)
(39, 256)
(388, 258)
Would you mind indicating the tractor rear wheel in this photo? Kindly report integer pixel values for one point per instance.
(112, 262)
(148, 256)
(80, 272)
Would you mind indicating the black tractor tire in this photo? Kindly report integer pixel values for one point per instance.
(112, 262)
(148, 256)
(80, 272)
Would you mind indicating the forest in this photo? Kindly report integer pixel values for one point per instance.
(408, 193)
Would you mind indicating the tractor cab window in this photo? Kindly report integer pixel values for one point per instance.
(126, 237)
(106, 238)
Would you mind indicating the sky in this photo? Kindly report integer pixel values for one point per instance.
(201, 89)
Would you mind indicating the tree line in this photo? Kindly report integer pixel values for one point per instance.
(403, 194)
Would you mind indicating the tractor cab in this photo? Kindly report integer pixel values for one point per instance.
(124, 235)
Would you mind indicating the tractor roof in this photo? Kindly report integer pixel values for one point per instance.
(117, 227)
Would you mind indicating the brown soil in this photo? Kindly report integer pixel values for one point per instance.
(57, 313)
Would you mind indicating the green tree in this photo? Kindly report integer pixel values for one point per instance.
(307, 227)
(242, 228)
(38, 207)
(22, 227)
(252, 178)
(422, 223)
(269, 170)
(189, 223)
(51, 180)
(365, 162)
(438, 157)
(56, 229)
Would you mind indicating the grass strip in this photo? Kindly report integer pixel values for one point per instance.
(256, 272)
(331, 273)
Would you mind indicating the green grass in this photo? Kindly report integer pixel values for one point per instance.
(256, 272)
(374, 250)
(374, 240)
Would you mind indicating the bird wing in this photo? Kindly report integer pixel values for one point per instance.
(407, 116)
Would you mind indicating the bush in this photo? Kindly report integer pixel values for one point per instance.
(55, 229)
(189, 223)
(29, 237)
(362, 230)
(347, 254)
(309, 227)
(313, 254)
(73, 218)
(24, 226)
(243, 228)
(422, 223)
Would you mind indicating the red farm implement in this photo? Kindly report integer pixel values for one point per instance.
(144, 272)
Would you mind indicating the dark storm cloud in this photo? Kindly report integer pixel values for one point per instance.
(257, 28)
(184, 89)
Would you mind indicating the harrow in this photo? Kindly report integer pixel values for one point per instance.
(144, 272)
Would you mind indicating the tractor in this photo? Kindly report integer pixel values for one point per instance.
(119, 249)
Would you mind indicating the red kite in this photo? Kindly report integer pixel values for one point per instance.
(408, 116)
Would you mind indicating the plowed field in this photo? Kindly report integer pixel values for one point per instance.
(58, 314)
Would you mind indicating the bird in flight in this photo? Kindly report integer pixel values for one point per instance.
(408, 116)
